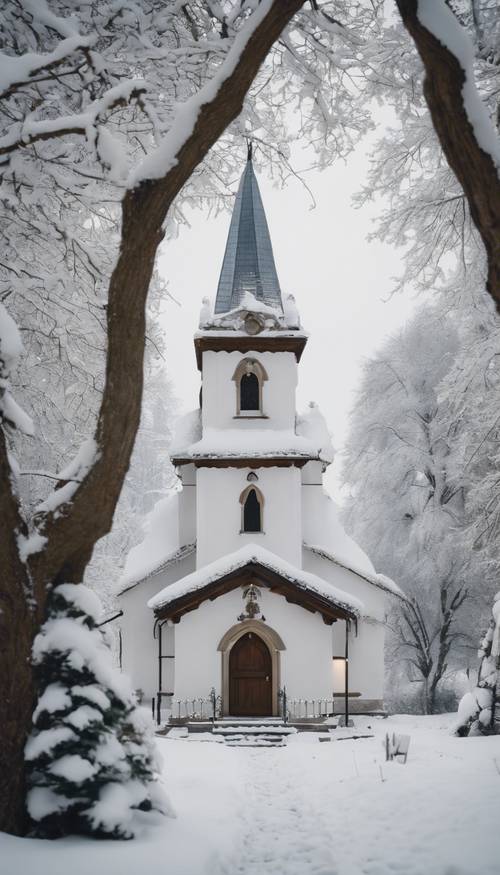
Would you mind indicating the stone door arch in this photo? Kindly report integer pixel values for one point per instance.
(275, 645)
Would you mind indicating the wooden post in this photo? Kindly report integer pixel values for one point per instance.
(346, 679)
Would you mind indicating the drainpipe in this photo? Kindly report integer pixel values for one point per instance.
(346, 682)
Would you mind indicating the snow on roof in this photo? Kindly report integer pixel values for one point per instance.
(161, 529)
(322, 526)
(265, 333)
(311, 440)
(176, 556)
(187, 431)
(262, 443)
(248, 304)
(253, 553)
(312, 425)
(379, 580)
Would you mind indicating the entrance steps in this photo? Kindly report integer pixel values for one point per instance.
(244, 731)
(253, 733)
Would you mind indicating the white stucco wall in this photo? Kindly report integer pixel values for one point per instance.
(139, 649)
(307, 669)
(373, 598)
(366, 659)
(219, 512)
(366, 650)
(306, 664)
(219, 390)
(187, 514)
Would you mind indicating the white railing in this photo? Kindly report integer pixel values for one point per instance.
(201, 708)
(309, 709)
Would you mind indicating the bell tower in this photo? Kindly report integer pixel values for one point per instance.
(245, 453)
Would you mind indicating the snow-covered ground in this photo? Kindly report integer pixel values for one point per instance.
(310, 808)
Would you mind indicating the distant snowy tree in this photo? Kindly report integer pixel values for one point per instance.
(150, 478)
(470, 392)
(91, 758)
(479, 710)
(406, 502)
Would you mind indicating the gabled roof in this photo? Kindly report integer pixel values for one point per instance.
(255, 563)
(248, 264)
(379, 580)
(124, 584)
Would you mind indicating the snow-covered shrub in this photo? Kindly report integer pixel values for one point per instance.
(479, 710)
(91, 758)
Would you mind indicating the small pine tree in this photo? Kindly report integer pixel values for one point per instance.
(91, 757)
(479, 711)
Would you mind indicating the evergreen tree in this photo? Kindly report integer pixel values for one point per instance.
(91, 758)
(479, 711)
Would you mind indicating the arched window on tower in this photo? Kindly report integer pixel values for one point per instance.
(252, 504)
(249, 392)
(249, 377)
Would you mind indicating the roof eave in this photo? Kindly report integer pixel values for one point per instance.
(233, 342)
(294, 593)
(243, 461)
(324, 554)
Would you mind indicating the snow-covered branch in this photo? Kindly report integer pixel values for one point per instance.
(463, 126)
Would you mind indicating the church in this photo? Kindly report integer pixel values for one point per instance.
(246, 594)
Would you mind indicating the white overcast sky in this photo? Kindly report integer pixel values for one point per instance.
(341, 283)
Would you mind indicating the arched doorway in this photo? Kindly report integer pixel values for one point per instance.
(250, 677)
(275, 646)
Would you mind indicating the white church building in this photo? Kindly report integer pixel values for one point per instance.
(246, 584)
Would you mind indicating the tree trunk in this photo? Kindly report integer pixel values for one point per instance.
(427, 705)
(474, 168)
(16, 629)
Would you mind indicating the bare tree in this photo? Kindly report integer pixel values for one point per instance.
(425, 643)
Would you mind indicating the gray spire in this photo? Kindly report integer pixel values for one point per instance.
(248, 264)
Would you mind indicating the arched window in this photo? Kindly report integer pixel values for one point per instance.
(252, 503)
(249, 377)
(249, 392)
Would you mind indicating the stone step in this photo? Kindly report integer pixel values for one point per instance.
(296, 726)
(240, 729)
(249, 721)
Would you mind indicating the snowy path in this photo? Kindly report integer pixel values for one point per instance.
(306, 809)
(284, 829)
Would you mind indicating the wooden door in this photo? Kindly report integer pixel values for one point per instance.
(250, 678)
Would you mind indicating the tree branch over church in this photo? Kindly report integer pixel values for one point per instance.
(467, 135)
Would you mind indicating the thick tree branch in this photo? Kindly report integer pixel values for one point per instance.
(474, 168)
(53, 129)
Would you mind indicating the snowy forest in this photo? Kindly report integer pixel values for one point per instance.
(117, 117)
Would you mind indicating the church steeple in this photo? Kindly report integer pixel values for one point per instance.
(248, 264)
